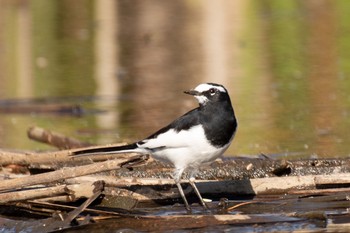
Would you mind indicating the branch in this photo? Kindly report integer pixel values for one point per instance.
(68, 172)
(65, 193)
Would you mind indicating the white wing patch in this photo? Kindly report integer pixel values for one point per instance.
(173, 139)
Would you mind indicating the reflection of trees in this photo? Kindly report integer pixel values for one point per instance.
(159, 56)
(322, 73)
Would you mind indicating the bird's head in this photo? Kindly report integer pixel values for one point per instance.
(209, 92)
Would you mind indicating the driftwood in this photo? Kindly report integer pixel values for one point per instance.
(69, 172)
(290, 210)
(295, 193)
(147, 189)
(55, 139)
(57, 222)
(239, 176)
(138, 190)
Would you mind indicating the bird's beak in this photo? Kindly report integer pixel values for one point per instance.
(192, 92)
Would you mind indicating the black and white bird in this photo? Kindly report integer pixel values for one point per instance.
(201, 135)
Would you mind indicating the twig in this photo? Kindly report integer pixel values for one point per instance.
(241, 204)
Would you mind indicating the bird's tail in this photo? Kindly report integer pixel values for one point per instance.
(106, 150)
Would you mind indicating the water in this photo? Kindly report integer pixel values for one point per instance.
(285, 63)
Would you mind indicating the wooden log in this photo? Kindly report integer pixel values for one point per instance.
(54, 139)
(69, 172)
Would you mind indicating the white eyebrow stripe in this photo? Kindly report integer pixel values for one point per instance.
(205, 87)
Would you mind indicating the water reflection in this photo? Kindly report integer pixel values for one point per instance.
(285, 63)
(157, 60)
(106, 61)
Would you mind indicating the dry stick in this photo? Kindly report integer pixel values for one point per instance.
(123, 181)
(32, 194)
(241, 204)
(61, 192)
(56, 157)
(68, 172)
(47, 205)
(54, 139)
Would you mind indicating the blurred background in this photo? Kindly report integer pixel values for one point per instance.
(108, 71)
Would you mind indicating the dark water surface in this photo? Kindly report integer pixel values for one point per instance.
(285, 63)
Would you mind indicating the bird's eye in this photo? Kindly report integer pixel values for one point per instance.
(212, 91)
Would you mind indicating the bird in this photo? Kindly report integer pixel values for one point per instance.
(199, 136)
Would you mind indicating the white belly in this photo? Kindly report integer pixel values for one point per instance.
(187, 148)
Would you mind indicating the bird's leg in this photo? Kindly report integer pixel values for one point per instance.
(177, 179)
(194, 186)
(181, 191)
(191, 181)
